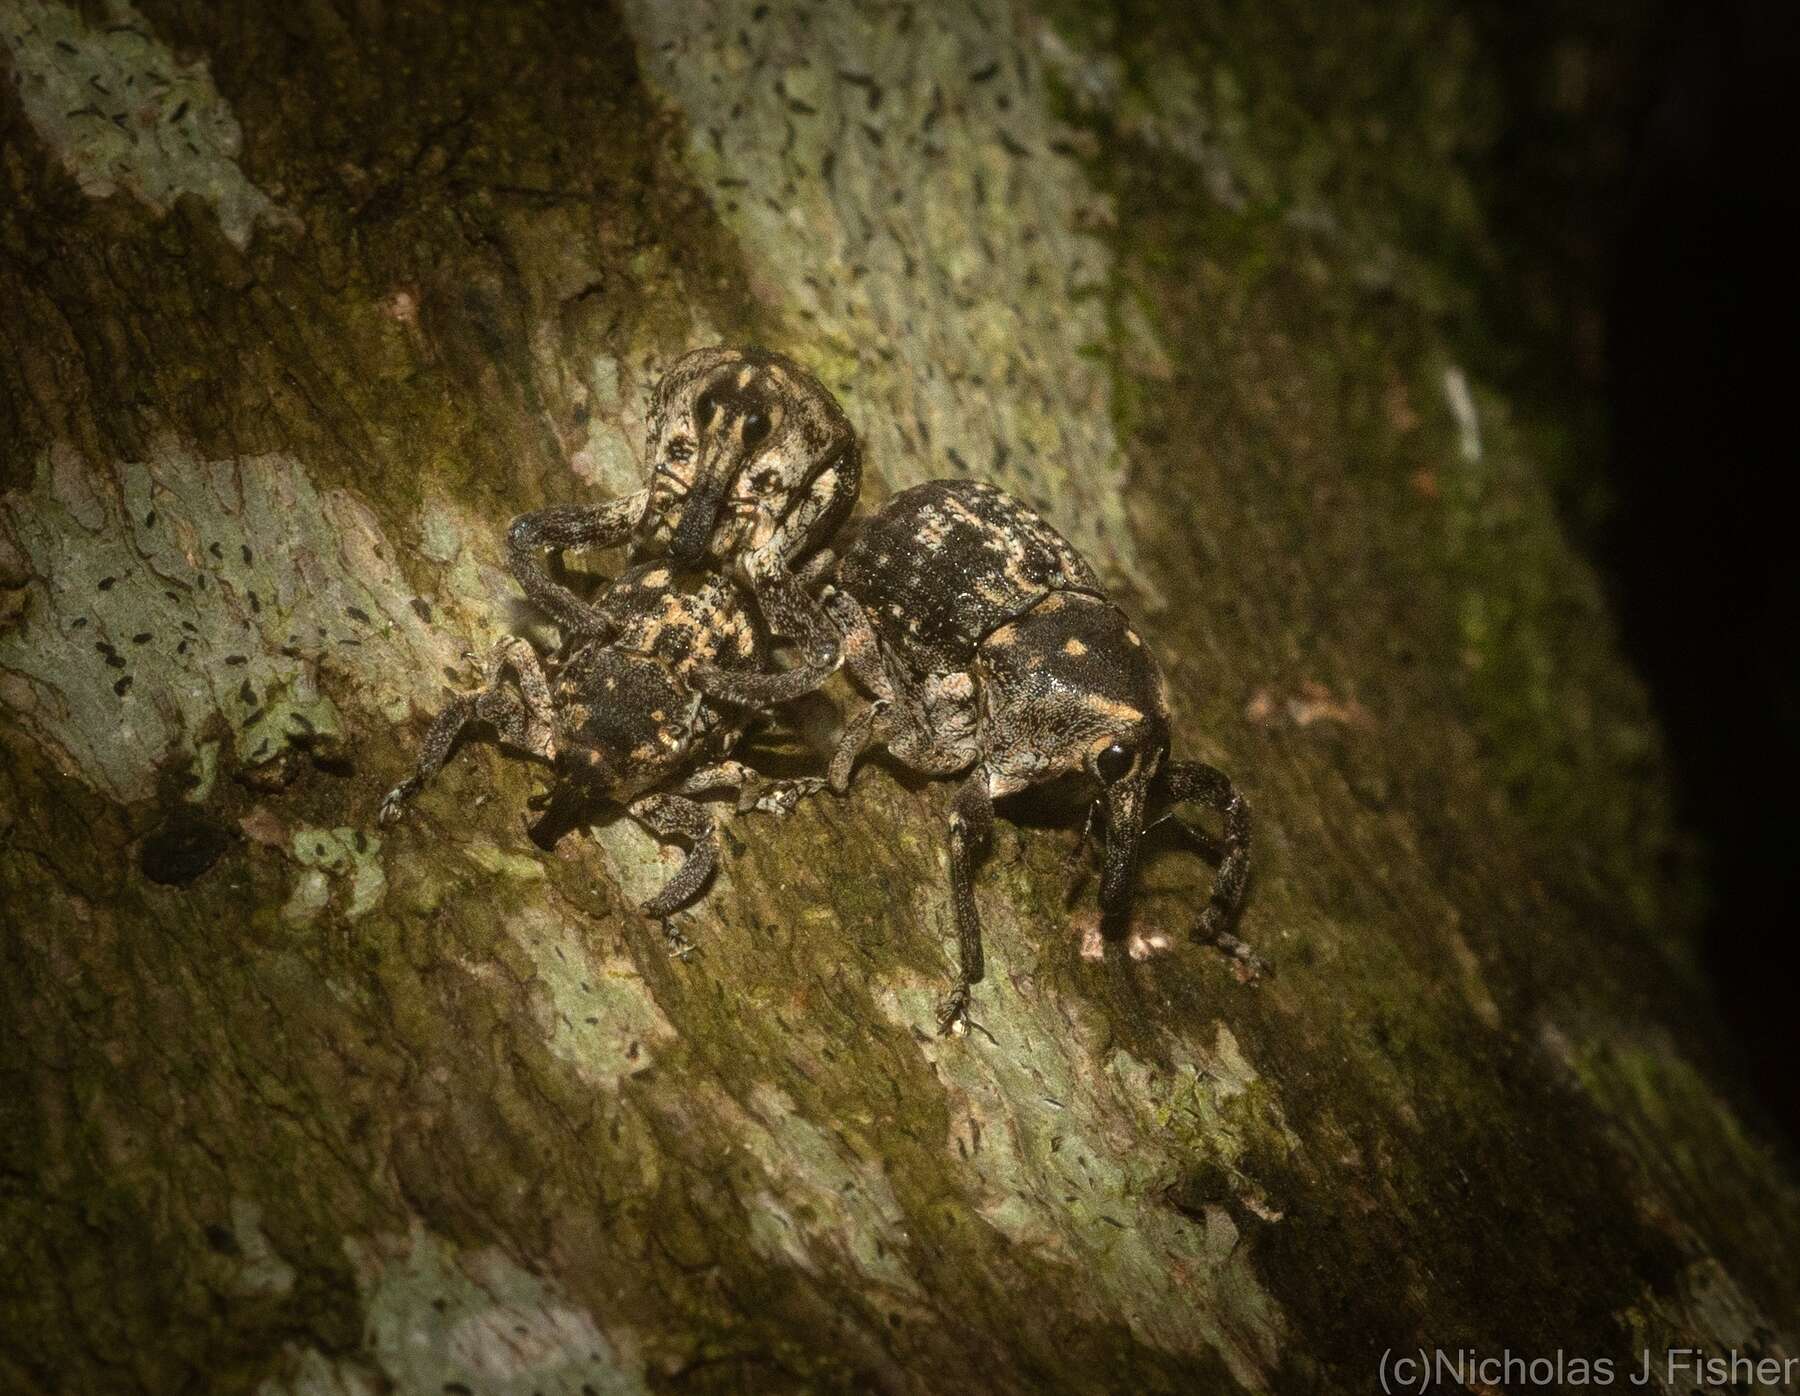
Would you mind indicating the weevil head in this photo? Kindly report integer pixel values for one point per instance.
(736, 435)
(1070, 689)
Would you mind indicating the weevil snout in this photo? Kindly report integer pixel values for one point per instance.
(733, 418)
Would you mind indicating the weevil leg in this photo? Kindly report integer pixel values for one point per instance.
(927, 723)
(971, 831)
(1078, 867)
(528, 721)
(931, 725)
(567, 526)
(862, 656)
(674, 817)
(1196, 781)
(521, 720)
(440, 738)
(1202, 842)
(794, 614)
(755, 791)
(851, 745)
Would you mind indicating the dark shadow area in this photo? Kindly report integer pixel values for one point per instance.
(1699, 544)
(1642, 190)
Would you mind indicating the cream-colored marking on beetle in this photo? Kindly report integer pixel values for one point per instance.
(1111, 707)
(1074, 649)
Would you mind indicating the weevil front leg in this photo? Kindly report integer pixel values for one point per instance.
(521, 720)
(1203, 784)
(567, 526)
(971, 832)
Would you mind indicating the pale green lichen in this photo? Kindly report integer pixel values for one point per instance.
(261, 1271)
(345, 856)
(823, 1195)
(171, 594)
(607, 461)
(1074, 1164)
(121, 111)
(596, 1013)
(905, 196)
(440, 1318)
(1165, 105)
(311, 1373)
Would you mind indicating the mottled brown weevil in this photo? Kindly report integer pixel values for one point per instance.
(753, 466)
(989, 647)
(616, 713)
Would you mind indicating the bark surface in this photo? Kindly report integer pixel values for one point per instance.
(302, 303)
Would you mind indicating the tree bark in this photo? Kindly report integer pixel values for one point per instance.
(303, 303)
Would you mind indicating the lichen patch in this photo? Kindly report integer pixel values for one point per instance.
(597, 1013)
(171, 598)
(822, 1196)
(333, 858)
(261, 1271)
(910, 194)
(121, 112)
(439, 1318)
(1041, 1134)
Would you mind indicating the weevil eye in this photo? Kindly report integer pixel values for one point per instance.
(706, 409)
(1115, 763)
(756, 427)
(680, 449)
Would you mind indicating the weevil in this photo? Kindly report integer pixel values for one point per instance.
(991, 650)
(617, 715)
(753, 466)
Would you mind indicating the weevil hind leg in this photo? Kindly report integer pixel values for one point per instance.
(440, 741)
(527, 721)
(927, 724)
(755, 791)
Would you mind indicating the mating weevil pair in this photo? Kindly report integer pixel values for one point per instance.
(753, 467)
(985, 642)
